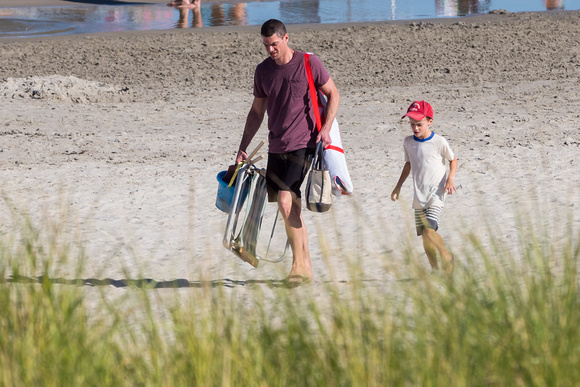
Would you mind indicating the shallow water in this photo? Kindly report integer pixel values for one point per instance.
(78, 19)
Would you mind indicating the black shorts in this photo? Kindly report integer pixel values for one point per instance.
(286, 171)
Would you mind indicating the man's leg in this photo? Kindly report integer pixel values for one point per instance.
(291, 209)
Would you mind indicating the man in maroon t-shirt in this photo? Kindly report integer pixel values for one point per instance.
(281, 89)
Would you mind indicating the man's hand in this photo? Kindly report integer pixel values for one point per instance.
(241, 156)
(325, 138)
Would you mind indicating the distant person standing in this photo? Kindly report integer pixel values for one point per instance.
(235, 16)
(183, 6)
(426, 156)
(281, 90)
(554, 4)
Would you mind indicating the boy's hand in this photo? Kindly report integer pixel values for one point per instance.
(450, 186)
(395, 194)
(450, 183)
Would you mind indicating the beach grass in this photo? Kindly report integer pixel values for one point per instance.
(503, 319)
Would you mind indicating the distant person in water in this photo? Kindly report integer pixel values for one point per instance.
(554, 4)
(184, 6)
(231, 14)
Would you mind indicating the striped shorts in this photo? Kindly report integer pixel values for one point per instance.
(427, 217)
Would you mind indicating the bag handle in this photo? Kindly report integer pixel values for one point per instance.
(318, 159)
(313, 95)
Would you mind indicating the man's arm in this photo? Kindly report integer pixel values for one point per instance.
(404, 174)
(450, 183)
(253, 123)
(332, 99)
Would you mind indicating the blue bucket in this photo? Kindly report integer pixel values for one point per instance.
(225, 195)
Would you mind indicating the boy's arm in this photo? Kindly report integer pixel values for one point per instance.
(404, 174)
(450, 184)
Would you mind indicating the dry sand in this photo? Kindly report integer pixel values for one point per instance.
(115, 140)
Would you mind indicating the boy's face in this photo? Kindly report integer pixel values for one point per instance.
(420, 128)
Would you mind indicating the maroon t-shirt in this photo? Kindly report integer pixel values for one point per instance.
(291, 119)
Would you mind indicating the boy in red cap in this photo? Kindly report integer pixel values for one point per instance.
(426, 154)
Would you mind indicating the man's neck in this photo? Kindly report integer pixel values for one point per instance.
(287, 58)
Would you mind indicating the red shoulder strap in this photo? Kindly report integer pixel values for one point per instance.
(313, 95)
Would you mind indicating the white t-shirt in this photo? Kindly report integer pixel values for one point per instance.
(428, 159)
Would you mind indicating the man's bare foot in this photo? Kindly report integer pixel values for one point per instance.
(294, 280)
(300, 276)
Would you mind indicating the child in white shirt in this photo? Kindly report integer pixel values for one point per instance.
(426, 154)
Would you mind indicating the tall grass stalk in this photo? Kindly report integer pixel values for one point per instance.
(501, 320)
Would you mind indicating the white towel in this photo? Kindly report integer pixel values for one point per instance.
(334, 156)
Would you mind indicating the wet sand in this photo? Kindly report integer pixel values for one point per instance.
(118, 138)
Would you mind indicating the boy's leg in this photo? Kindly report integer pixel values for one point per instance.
(432, 242)
(427, 223)
(430, 250)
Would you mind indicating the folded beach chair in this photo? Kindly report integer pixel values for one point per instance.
(243, 227)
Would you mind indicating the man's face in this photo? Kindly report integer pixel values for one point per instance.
(275, 46)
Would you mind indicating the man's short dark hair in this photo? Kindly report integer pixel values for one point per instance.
(272, 27)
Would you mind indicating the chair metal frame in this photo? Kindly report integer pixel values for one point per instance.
(249, 177)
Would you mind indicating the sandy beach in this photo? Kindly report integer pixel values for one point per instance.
(114, 141)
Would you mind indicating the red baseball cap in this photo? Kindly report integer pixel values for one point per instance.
(419, 110)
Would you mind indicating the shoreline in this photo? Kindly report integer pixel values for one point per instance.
(64, 3)
(491, 17)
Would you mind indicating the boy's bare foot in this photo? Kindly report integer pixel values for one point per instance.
(449, 266)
